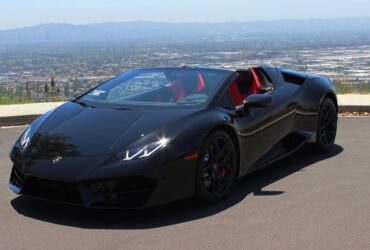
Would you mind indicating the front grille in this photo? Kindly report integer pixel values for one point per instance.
(128, 192)
(52, 190)
(132, 191)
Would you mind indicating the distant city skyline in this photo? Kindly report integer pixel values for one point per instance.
(23, 13)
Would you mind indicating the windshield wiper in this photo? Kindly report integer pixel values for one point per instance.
(123, 109)
(191, 101)
(84, 104)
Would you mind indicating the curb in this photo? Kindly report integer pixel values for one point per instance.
(18, 120)
(344, 109)
(27, 119)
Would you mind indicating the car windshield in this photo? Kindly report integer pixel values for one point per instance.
(159, 88)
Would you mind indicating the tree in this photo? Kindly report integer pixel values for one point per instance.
(52, 84)
(28, 90)
(46, 87)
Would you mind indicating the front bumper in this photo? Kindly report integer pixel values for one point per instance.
(128, 192)
(175, 181)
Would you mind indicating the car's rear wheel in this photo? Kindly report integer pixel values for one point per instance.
(326, 126)
(216, 167)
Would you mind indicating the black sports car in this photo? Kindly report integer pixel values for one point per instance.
(154, 135)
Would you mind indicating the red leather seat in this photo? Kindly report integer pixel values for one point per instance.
(256, 85)
(180, 91)
(235, 94)
(201, 83)
(247, 84)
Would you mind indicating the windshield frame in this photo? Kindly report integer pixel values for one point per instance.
(153, 106)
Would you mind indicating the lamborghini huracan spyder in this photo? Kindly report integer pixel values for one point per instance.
(154, 135)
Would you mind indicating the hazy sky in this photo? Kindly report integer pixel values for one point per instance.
(20, 13)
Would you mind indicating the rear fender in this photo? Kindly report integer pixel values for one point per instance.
(309, 98)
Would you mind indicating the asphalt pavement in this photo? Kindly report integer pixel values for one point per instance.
(306, 201)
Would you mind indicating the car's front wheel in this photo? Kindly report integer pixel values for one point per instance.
(326, 126)
(216, 167)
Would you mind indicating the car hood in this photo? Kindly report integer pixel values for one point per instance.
(75, 130)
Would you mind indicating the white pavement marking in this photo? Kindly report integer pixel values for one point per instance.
(20, 126)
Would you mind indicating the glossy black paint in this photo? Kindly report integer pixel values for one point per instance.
(89, 139)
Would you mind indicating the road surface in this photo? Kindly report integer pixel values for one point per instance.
(306, 201)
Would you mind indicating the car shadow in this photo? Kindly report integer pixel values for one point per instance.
(173, 213)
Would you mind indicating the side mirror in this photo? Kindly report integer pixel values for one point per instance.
(266, 89)
(258, 101)
(255, 101)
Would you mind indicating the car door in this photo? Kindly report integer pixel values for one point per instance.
(261, 128)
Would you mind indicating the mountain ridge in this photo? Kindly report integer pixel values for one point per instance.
(117, 31)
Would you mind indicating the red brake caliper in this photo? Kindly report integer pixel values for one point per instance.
(222, 171)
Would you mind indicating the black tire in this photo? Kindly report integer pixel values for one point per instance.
(216, 167)
(326, 126)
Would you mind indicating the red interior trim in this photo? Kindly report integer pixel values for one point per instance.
(201, 83)
(256, 85)
(178, 90)
(236, 97)
(192, 156)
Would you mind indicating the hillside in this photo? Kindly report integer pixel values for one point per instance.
(144, 30)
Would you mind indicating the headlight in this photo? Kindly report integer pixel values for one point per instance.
(26, 138)
(143, 151)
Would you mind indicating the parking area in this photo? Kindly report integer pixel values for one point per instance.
(306, 201)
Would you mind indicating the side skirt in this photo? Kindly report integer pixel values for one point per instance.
(287, 146)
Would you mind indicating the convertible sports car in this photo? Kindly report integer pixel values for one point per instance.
(154, 135)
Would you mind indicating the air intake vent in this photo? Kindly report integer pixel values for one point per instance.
(293, 78)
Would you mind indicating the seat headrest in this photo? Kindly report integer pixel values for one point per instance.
(244, 82)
